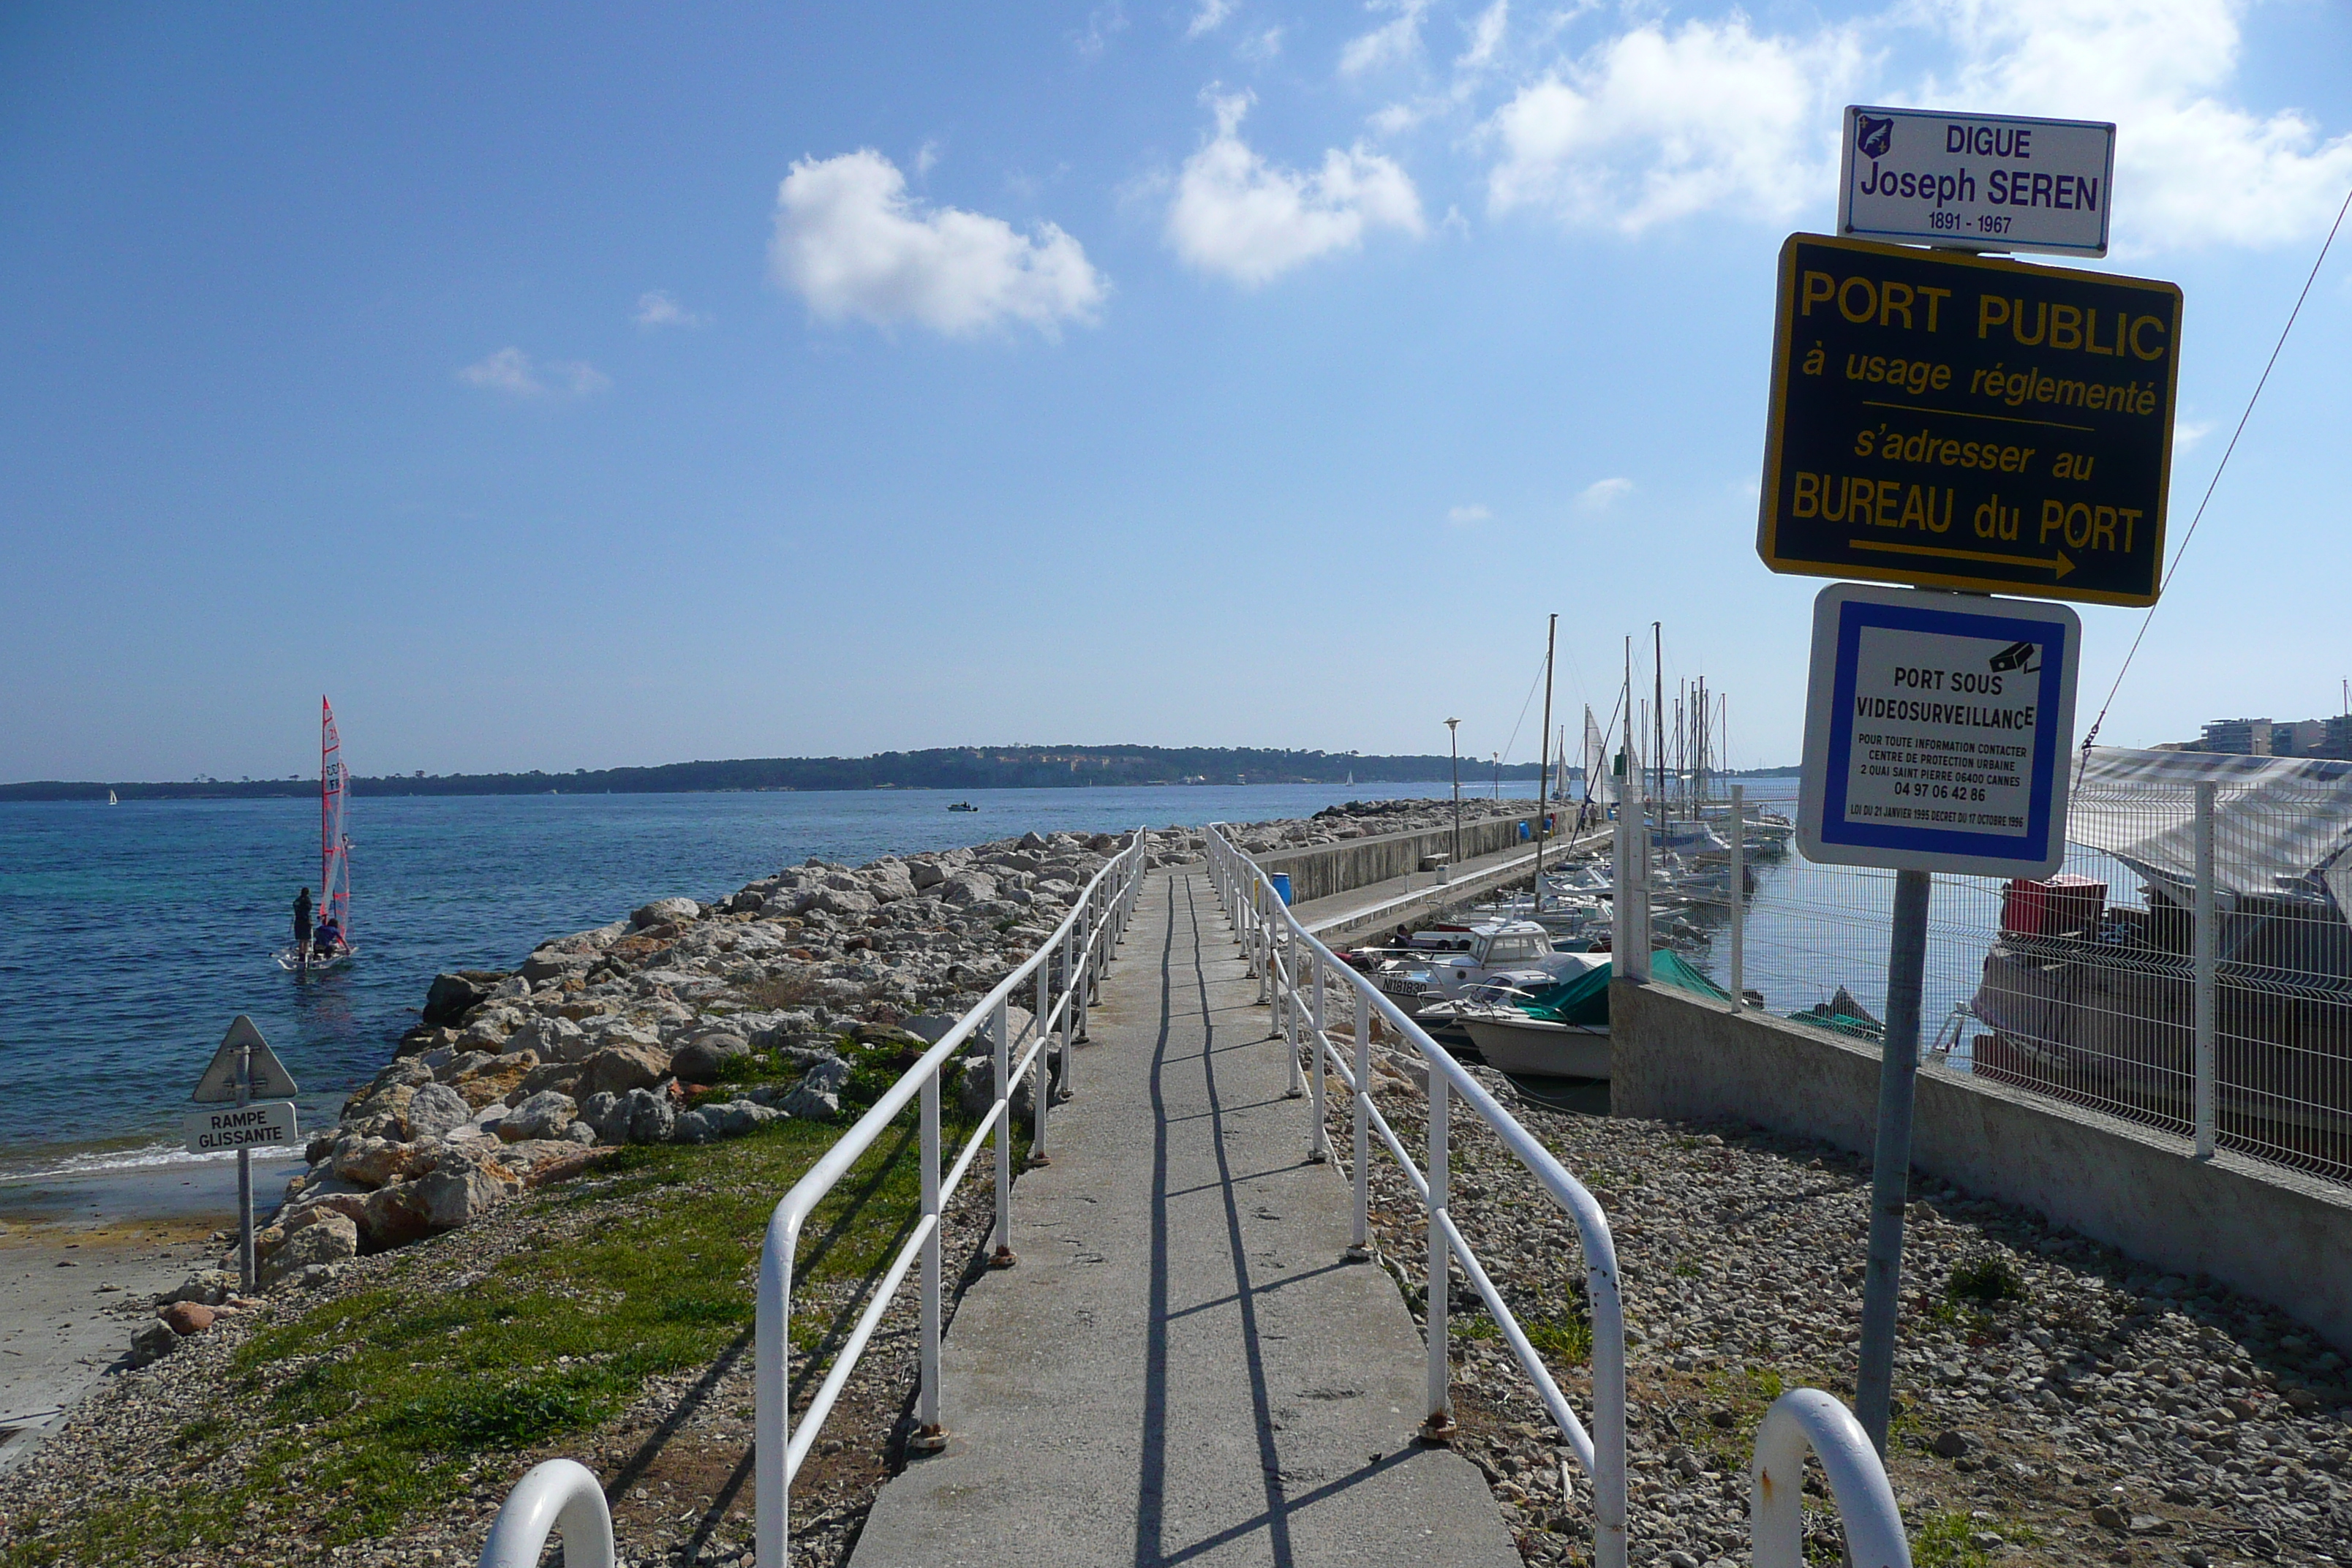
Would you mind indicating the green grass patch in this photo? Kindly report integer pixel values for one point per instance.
(385, 1404)
(1985, 1281)
(1941, 1540)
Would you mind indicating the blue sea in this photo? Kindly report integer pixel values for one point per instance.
(131, 934)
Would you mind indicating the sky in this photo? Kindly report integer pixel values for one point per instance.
(573, 387)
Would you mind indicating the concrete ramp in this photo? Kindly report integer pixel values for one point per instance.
(1182, 1368)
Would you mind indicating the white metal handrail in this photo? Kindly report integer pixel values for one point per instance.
(1271, 937)
(562, 1497)
(566, 1498)
(1279, 948)
(1085, 941)
(1803, 1418)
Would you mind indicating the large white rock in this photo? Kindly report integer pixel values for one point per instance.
(674, 911)
(436, 1110)
(547, 1114)
(330, 1238)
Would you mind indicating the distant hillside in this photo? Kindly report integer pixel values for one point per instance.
(951, 768)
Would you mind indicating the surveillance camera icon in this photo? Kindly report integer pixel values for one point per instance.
(2018, 657)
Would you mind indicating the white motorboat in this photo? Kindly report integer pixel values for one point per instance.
(1512, 1042)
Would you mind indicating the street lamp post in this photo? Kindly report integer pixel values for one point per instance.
(1498, 775)
(1453, 742)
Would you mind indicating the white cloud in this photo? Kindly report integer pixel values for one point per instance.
(2190, 168)
(1654, 125)
(1235, 213)
(510, 371)
(1391, 43)
(1262, 47)
(1660, 121)
(1463, 516)
(851, 242)
(1210, 16)
(659, 308)
(578, 377)
(927, 158)
(1603, 494)
(2187, 432)
(1486, 38)
(1104, 23)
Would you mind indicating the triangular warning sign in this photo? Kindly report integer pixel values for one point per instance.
(270, 1080)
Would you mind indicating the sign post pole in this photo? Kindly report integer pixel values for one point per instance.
(245, 1176)
(243, 1069)
(1890, 1182)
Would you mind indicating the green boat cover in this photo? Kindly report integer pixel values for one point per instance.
(1585, 998)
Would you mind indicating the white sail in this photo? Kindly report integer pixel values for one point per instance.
(335, 844)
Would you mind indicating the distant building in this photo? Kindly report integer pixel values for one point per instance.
(2263, 738)
(2237, 737)
(2301, 739)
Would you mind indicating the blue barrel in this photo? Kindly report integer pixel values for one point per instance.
(1281, 880)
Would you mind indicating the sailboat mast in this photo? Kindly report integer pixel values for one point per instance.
(1543, 756)
(1658, 706)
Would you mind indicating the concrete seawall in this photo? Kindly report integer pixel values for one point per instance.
(1319, 870)
(2277, 1237)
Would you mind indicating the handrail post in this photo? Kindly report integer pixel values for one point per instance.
(1360, 1249)
(1438, 1426)
(1738, 896)
(1286, 1000)
(930, 1436)
(1319, 1150)
(2206, 971)
(1257, 928)
(1088, 962)
(1868, 1516)
(1002, 1256)
(559, 1496)
(1041, 1090)
(772, 1417)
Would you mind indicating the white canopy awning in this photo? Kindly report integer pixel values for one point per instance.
(2276, 820)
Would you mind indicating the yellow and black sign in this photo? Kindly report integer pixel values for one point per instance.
(1957, 422)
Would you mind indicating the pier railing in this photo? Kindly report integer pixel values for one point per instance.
(1083, 943)
(1063, 976)
(1296, 975)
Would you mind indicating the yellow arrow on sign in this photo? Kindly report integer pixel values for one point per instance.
(2058, 567)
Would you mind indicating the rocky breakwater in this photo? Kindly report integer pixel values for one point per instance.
(1363, 819)
(686, 1022)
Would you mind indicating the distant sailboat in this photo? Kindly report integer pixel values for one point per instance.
(111, 800)
(332, 945)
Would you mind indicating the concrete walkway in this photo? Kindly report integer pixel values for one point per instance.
(1182, 1369)
(1379, 907)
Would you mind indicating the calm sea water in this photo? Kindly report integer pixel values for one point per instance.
(131, 935)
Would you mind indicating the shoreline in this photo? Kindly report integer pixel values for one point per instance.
(95, 1242)
(81, 1260)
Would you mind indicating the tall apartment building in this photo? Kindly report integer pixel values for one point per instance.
(2237, 737)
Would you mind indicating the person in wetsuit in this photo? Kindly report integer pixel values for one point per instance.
(302, 922)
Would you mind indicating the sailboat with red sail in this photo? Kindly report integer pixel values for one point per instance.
(330, 944)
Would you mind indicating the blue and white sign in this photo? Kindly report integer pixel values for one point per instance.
(1938, 731)
(1977, 182)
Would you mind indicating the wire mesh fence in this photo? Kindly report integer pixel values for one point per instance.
(2189, 969)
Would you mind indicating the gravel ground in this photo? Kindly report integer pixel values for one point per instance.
(2101, 1413)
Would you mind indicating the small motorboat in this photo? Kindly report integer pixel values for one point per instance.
(963, 806)
(1513, 1042)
